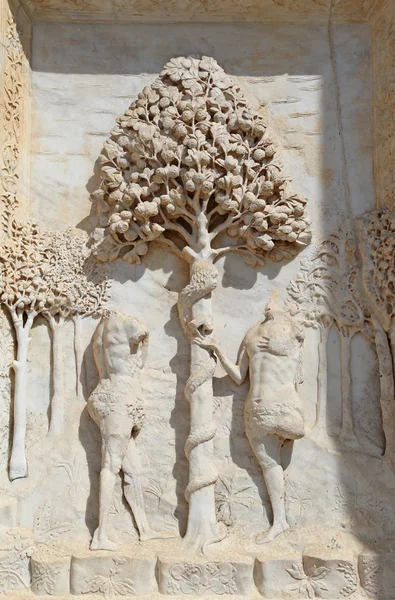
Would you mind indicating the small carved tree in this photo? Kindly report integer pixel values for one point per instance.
(190, 165)
(376, 232)
(326, 290)
(24, 264)
(74, 293)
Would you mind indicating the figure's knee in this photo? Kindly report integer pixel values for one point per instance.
(267, 451)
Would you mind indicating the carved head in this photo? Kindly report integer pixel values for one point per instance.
(272, 308)
(204, 275)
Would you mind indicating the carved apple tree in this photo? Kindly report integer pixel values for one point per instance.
(190, 165)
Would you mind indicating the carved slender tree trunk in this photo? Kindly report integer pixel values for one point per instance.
(202, 525)
(79, 353)
(347, 434)
(18, 465)
(319, 428)
(57, 400)
(387, 403)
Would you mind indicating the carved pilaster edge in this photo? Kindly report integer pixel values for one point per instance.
(15, 113)
(383, 69)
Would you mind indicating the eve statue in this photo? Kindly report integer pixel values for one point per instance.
(120, 346)
(271, 353)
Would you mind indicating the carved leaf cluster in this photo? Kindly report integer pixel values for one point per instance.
(113, 584)
(14, 562)
(45, 529)
(327, 287)
(42, 271)
(377, 244)
(309, 585)
(44, 576)
(190, 149)
(210, 578)
(228, 493)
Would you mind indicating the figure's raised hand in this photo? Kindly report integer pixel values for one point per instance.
(209, 342)
(263, 343)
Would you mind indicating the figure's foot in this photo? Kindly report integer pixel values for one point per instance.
(100, 542)
(276, 530)
(150, 534)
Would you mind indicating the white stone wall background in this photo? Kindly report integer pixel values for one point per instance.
(314, 88)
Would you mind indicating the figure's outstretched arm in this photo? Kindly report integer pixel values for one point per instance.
(238, 371)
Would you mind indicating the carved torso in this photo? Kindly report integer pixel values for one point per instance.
(273, 402)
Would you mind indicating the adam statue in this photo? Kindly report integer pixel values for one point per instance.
(120, 345)
(271, 353)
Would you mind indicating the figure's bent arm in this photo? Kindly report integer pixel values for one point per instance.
(98, 352)
(144, 349)
(237, 372)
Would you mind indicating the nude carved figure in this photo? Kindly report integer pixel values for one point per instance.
(271, 353)
(120, 346)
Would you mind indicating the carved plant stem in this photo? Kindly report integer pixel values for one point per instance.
(57, 400)
(18, 465)
(78, 353)
(386, 387)
(322, 383)
(202, 524)
(347, 426)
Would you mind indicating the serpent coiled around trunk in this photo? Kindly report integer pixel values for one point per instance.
(202, 282)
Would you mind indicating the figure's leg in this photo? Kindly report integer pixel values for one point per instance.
(267, 450)
(134, 494)
(113, 449)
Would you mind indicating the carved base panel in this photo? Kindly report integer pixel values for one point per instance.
(338, 574)
(205, 577)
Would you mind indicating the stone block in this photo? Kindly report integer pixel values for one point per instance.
(377, 575)
(111, 574)
(279, 578)
(332, 575)
(201, 577)
(309, 576)
(50, 576)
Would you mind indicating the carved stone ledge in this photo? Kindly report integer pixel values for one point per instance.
(214, 11)
(112, 574)
(201, 577)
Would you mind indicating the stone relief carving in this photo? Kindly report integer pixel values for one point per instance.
(191, 166)
(332, 279)
(326, 293)
(116, 405)
(376, 244)
(42, 272)
(210, 578)
(11, 122)
(271, 354)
